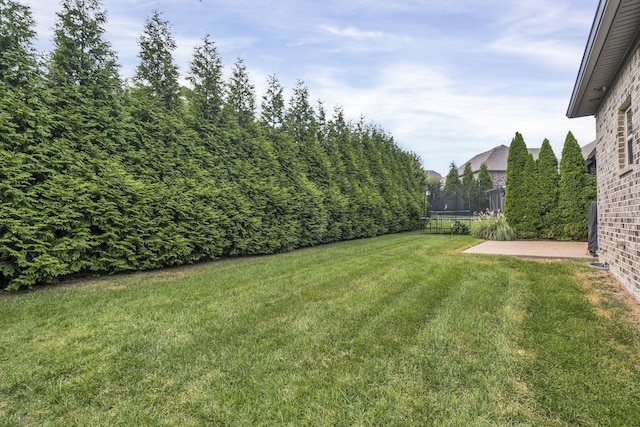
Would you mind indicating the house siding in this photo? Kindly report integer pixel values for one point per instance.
(619, 183)
(498, 178)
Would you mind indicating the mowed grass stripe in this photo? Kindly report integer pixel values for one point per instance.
(395, 330)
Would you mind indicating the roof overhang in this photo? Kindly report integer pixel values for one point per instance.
(612, 39)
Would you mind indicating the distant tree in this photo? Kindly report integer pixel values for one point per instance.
(484, 184)
(577, 190)
(516, 192)
(452, 186)
(469, 188)
(548, 179)
(434, 189)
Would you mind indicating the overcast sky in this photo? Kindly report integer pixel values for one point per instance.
(448, 79)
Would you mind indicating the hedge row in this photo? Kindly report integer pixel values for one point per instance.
(98, 176)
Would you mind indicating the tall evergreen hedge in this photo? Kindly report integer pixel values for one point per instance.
(99, 177)
(544, 201)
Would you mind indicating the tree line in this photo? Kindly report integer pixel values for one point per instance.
(102, 176)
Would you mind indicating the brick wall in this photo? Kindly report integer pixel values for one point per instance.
(618, 182)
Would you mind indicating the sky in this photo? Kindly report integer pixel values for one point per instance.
(447, 79)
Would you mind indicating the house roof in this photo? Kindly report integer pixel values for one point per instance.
(495, 159)
(433, 174)
(589, 149)
(613, 35)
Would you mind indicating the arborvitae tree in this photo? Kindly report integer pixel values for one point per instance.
(21, 84)
(290, 176)
(24, 131)
(157, 73)
(549, 179)
(301, 126)
(87, 134)
(338, 134)
(376, 185)
(272, 119)
(273, 104)
(516, 192)
(18, 62)
(391, 218)
(484, 184)
(577, 190)
(452, 186)
(154, 104)
(532, 220)
(364, 204)
(264, 194)
(343, 141)
(414, 184)
(469, 188)
(334, 201)
(205, 115)
(19, 77)
(84, 80)
(241, 98)
(173, 206)
(205, 74)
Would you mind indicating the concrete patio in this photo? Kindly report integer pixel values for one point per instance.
(534, 249)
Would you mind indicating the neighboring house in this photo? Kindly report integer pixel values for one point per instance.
(433, 175)
(608, 87)
(496, 161)
(589, 154)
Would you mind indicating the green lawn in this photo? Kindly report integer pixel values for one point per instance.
(395, 330)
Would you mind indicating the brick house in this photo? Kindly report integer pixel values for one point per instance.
(608, 87)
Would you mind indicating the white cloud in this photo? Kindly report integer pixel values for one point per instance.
(448, 79)
(446, 120)
(354, 33)
(551, 53)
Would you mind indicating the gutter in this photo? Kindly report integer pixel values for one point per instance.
(601, 22)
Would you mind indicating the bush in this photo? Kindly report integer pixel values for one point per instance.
(492, 227)
(459, 228)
